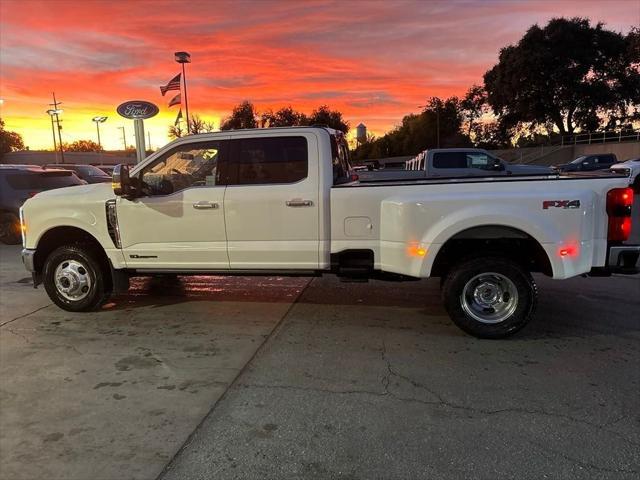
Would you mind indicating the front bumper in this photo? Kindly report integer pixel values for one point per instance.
(27, 259)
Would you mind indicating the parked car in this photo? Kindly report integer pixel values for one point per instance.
(108, 169)
(88, 173)
(630, 167)
(20, 182)
(454, 162)
(283, 201)
(589, 163)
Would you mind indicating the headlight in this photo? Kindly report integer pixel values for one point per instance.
(112, 222)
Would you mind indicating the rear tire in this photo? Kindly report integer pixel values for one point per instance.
(75, 279)
(10, 229)
(490, 297)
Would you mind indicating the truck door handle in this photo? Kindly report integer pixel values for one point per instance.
(297, 202)
(205, 205)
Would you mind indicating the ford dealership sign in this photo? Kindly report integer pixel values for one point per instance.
(137, 109)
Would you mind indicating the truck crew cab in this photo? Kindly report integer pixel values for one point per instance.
(283, 201)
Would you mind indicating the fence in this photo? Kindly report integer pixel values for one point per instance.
(601, 137)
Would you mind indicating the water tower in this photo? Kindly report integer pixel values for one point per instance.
(361, 134)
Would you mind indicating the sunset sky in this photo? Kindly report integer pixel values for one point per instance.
(375, 61)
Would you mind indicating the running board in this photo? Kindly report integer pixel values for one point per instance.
(245, 273)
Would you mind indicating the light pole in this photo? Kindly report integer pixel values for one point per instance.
(56, 112)
(98, 121)
(182, 58)
(53, 131)
(124, 139)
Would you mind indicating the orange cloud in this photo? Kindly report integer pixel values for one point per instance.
(374, 61)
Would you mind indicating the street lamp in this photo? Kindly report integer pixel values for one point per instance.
(182, 58)
(54, 113)
(98, 121)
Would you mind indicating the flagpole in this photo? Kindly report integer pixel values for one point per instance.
(186, 101)
(184, 57)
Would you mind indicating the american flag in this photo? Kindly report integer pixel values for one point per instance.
(177, 100)
(174, 84)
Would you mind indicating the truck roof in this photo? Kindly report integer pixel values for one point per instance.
(241, 131)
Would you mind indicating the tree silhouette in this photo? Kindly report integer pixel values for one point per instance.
(9, 141)
(243, 116)
(82, 146)
(285, 117)
(474, 105)
(568, 72)
(331, 118)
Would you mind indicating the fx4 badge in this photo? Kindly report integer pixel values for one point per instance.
(547, 204)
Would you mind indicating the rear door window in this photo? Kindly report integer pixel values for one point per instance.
(265, 161)
(604, 160)
(341, 164)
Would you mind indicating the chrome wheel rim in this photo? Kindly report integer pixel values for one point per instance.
(73, 280)
(489, 298)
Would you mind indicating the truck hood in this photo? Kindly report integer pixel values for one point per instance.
(92, 191)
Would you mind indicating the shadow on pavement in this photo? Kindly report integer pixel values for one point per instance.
(572, 308)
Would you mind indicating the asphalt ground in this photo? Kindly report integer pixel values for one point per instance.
(213, 377)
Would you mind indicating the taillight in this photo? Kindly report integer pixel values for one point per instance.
(619, 203)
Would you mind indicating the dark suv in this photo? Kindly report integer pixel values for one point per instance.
(88, 173)
(20, 182)
(588, 163)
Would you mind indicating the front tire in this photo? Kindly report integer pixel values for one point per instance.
(75, 279)
(489, 297)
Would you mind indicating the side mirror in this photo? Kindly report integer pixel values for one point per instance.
(498, 166)
(121, 182)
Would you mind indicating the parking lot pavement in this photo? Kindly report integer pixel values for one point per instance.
(114, 394)
(372, 380)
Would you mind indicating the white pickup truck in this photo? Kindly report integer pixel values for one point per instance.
(283, 201)
(453, 163)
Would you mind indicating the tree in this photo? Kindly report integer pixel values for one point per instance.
(82, 146)
(209, 126)
(196, 124)
(243, 116)
(568, 73)
(438, 124)
(176, 131)
(490, 135)
(285, 117)
(9, 141)
(331, 118)
(473, 105)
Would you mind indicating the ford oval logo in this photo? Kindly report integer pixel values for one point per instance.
(137, 109)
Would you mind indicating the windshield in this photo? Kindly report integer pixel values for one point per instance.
(90, 171)
(579, 159)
